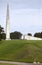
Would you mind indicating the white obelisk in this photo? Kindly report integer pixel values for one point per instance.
(7, 24)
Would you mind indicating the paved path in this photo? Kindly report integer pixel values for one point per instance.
(19, 63)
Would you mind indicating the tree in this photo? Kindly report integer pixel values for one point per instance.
(3, 36)
(1, 31)
(37, 35)
(41, 34)
(29, 34)
(12, 35)
(15, 35)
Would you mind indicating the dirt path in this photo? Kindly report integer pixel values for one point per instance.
(19, 63)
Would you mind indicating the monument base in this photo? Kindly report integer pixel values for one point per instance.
(8, 39)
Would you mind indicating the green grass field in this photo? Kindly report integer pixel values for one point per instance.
(6, 64)
(21, 50)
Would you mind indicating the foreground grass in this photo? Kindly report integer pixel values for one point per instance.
(6, 64)
(21, 50)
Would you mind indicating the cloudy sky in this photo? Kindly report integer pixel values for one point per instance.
(25, 15)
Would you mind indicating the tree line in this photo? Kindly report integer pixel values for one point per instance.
(16, 34)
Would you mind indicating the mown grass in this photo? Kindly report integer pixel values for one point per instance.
(21, 50)
(6, 64)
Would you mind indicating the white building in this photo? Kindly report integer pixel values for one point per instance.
(27, 37)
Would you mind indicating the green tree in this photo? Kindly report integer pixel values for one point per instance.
(12, 35)
(3, 36)
(15, 35)
(37, 35)
(41, 34)
(1, 31)
(29, 34)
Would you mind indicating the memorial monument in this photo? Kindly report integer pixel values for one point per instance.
(7, 24)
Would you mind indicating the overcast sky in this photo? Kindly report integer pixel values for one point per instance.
(25, 15)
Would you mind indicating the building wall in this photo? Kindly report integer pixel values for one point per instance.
(30, 37)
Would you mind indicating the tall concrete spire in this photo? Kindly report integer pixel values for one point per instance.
(7, 24)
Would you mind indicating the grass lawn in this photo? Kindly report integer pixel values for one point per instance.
(21, 50)
(6, 64)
